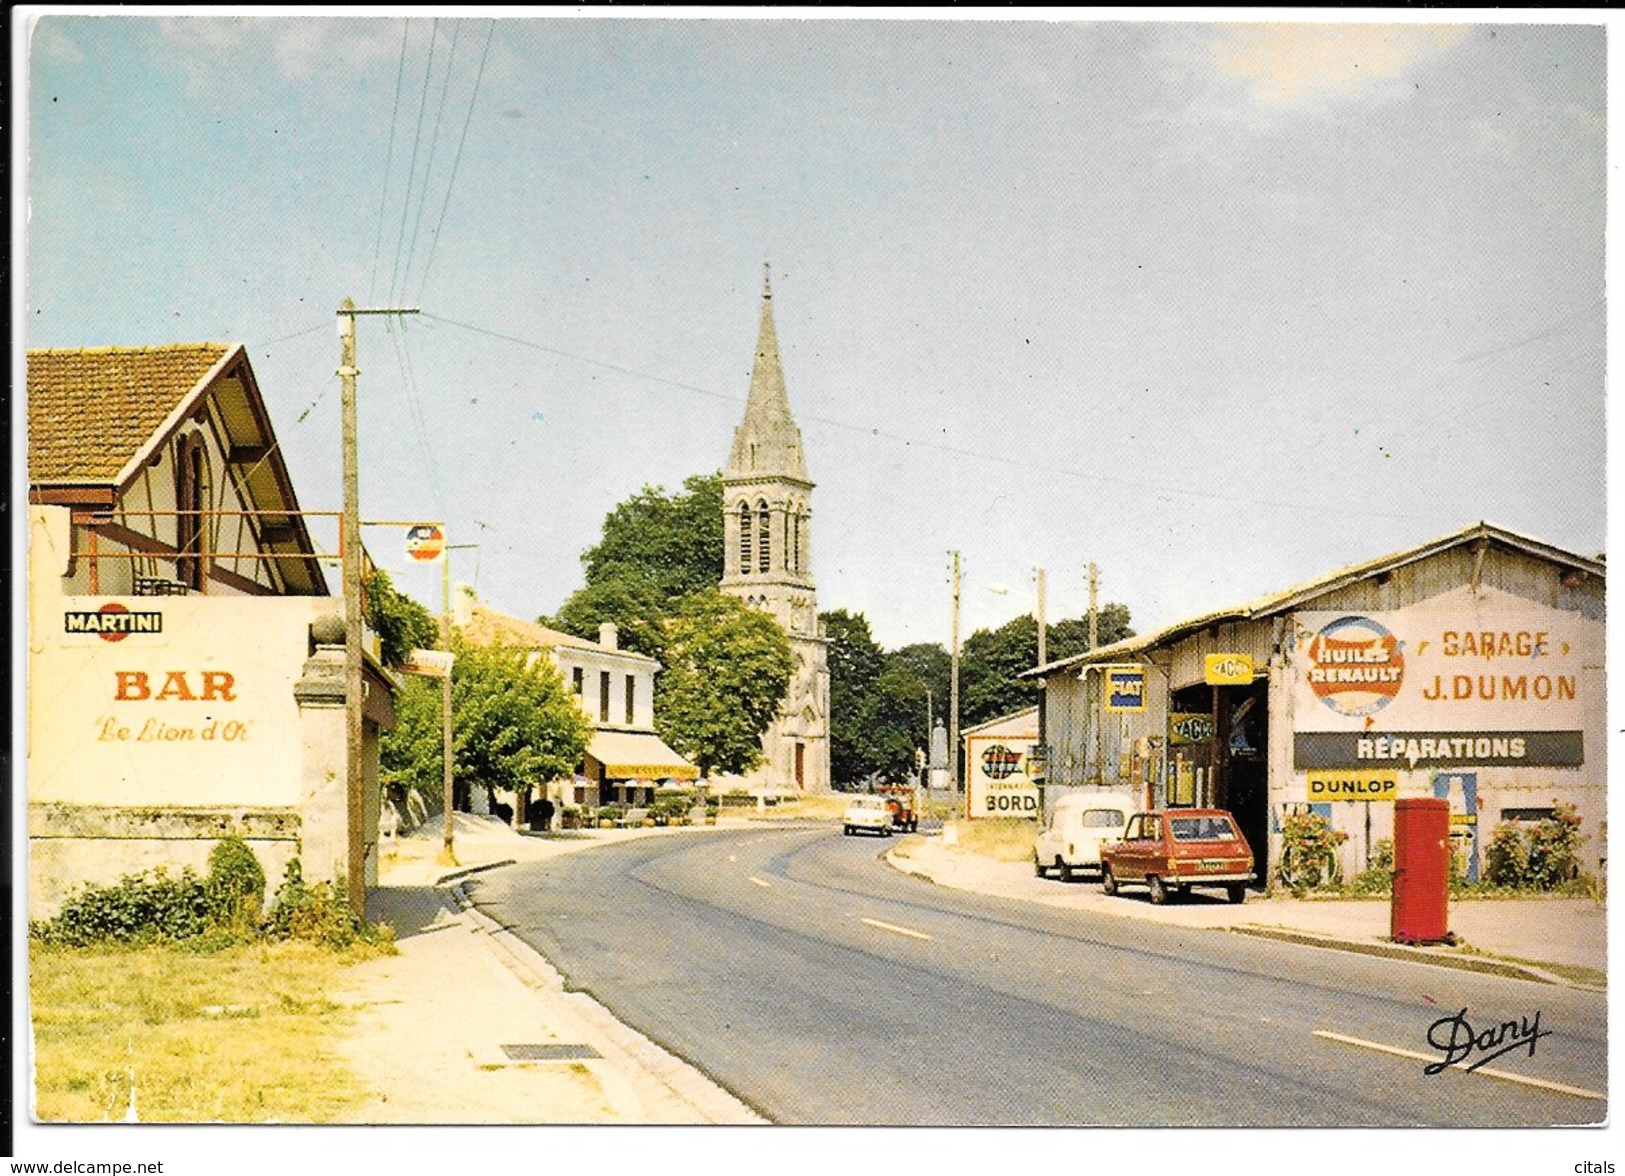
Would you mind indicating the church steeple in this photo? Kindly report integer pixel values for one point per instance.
(767, 443)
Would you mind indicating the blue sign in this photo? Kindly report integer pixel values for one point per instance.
(1125, 688)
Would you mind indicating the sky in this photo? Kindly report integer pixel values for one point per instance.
(1215, 307)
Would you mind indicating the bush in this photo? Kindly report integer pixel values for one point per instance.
(1545, 856)
(1378, 877)
(235, 886)
(318, 914)
(1308, 851)
(139, 909)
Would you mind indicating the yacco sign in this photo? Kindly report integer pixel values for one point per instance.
(112, 622)
(1125, 688)
(1227, 669)
(1189, 727)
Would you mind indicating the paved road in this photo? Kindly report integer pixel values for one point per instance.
(821, 987)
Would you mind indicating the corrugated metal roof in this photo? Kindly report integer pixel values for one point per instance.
(90, 410)
(1290, 598)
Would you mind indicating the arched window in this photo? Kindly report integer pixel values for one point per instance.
(744, 538)
(794, 562)
(191, 473)
(764, 553)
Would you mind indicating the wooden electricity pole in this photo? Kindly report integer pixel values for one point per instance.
(350, 544)
(953, 690)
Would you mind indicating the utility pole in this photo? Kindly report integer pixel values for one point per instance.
(953, 690)
(1043, 697)
(447, 846)
(350, 543)
(1094, 616)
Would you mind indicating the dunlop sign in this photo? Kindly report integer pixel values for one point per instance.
(1375, 785)
(1125, 688)
(1228, 669)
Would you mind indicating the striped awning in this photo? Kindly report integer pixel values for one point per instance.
(638, 755)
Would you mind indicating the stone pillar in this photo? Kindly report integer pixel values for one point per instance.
(323, 810)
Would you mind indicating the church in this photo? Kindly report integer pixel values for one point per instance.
(767, 563)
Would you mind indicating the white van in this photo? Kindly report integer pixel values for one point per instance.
(1079, 823)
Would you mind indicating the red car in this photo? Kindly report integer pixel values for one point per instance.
(1172, 850)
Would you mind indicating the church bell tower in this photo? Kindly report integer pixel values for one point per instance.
(767, 563)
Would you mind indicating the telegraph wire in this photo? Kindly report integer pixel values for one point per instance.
(396, 282)
(434, 147)
(389, 161)
(473, 100)
(1140, 485)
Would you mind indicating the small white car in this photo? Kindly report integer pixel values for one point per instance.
(1080, 823)
(867, 814)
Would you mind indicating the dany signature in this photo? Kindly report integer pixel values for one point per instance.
(1457, 1040)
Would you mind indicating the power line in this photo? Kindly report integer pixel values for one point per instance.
(389, 160)
(473, 99)
(1138, 484)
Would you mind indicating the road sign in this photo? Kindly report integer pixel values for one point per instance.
(430, 663)
(425, 543)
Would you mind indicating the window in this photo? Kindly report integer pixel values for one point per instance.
(764, 558)
(794, 562)
(631, 698)
(603, 696)
(1102, 819)
(744, 538)
(578, 681)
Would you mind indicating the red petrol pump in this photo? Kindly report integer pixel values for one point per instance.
(1420, 906)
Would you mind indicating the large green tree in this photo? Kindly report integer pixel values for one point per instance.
(992, 661)
(727, 670)
(515, 725)
(634, 606)
(672, 543)
(855, 661)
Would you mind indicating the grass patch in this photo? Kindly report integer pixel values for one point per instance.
(1001, 840)
(239, 1036)
(819, 807)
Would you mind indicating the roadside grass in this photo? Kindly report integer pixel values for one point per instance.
(237, 1036)
(1576, 973)
(819, 807)
(1001, 840)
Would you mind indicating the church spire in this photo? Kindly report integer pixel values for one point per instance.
(767, 443)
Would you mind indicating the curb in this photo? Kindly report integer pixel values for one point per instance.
(457, 875)
(1415, 955)
(626, 1048)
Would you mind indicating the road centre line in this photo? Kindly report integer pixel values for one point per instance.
(758, 882)
(892, 927)
(1505, 1076)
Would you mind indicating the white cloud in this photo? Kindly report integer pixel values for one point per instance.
(1286, 67)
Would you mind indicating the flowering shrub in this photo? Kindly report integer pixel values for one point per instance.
(1543, 856)
(1308, 850)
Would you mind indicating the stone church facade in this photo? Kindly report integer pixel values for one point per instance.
(767, 524)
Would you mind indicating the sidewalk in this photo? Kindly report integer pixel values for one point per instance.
(468, 1025)
(1539, 931)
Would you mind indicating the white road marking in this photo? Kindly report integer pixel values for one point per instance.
(895, 929)
(758, 882)
(1505, 1076)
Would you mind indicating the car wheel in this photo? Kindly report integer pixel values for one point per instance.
(1108, 881)
(1038, 865)
(1236, 892)
(846, 831)
(1064, 868)
(1159, 890)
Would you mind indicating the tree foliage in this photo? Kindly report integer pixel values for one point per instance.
(670, 543)
(514, 724)
(402, 624)
(992, 660)
(727, 670)
(855, 661)
(637, 611)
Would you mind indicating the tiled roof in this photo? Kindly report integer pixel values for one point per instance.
(91, 409)
(488, 627)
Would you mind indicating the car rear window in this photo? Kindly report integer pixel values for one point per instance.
(1103, 819)
(1202, 829)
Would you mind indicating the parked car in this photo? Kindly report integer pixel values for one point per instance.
(867, 813)
(1169, 851)
(1080, 823)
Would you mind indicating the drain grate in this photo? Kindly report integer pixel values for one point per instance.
(531, 1051)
